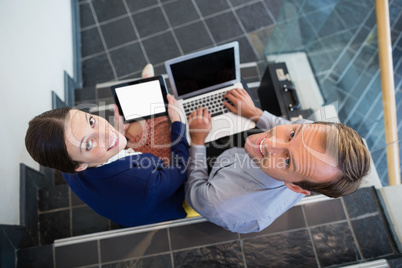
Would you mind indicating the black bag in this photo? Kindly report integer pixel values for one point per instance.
(277, 93)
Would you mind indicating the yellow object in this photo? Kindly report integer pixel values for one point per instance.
(190, 211)
(388, 91)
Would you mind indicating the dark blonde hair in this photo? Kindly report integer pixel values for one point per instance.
(45, 141)
(352, 156)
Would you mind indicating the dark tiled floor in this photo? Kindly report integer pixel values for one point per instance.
(340, 231)
(62, 214)
(120, 36)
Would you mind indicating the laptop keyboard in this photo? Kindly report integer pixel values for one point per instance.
(214, 103)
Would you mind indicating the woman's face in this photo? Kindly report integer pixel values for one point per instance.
(90, 139)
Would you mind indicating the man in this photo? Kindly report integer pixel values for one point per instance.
(248, 188)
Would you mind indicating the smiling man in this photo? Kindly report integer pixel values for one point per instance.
(248, 188)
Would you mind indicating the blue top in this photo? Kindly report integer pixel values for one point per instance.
(237, 194)
(137, 189)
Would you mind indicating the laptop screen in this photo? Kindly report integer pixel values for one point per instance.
(204, 71)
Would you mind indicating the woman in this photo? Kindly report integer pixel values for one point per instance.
(127, 187)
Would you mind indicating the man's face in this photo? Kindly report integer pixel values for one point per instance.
(293, 153)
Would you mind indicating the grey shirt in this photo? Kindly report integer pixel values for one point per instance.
(237, 194)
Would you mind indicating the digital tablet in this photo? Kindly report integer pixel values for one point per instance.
(141, 99)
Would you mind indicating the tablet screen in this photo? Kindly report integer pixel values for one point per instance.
(141, 99)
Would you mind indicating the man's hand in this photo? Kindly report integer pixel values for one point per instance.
(242, 104)
(200, 125)
(173, 110)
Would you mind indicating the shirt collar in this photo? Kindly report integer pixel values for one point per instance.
(121, 154)
(260, 176)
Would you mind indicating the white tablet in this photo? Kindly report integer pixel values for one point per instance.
(141, 99)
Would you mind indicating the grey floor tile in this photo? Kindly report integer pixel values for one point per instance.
(334, 244)
(164, 261)
(198, 234)
(222, 255)
(274, 6)
(193, 37)
(135, 5)
(290, 220)
(53, 197)
(96, 70)
(281, 250)
(150, 21)
(236, 3)
(128, 59)
(54, 225)
(118, 32)
(395, 262)
(373, 237)
(224, 26)
(91, 42)
(35, 257)
(247, 53)
(135, 245)
(324, 212)
(209, 7)
(259, 40)
(84, 94)
(86, 16)
(104, 93)
(82, 254)
(108, 9)
(86, 221)
(254, 16)
(161, 48)
(176, 16)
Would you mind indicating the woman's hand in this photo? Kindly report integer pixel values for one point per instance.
(200, 125)
(242, 104)
(173, 110)
(134, 131)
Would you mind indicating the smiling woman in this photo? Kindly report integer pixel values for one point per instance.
(130, 188)
(91, 140)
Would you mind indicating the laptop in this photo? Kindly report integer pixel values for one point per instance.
(202, 78)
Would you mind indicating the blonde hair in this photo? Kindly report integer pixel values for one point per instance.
(345, 146)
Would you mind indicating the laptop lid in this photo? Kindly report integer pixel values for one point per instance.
(203, 71)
